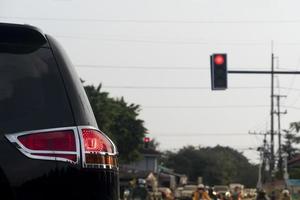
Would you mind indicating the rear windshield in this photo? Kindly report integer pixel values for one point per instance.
(32, 94)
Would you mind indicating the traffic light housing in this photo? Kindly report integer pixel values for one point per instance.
(146, 142)
(218, 64)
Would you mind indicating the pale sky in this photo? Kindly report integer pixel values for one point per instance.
(155, 53)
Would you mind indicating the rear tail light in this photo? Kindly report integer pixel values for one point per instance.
(51, 141)
(54, 144)
(64, 144)
(98, 149)
(94, 141)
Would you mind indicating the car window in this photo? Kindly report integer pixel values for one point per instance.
(32, 94)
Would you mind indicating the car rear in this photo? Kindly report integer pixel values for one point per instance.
(51, 147)
(221, 189)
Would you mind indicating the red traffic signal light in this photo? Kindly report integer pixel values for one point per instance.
(146, 142)
(146, 139)
(218, 64)
(219, 59)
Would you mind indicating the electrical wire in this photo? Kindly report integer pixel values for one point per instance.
(251, 43)
(152, 21)
(176, 87)
(141, 67)
(201, 134)
(213, 107)
(208, 107)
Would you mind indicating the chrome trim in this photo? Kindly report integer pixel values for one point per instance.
(13, 138)
(100, 166)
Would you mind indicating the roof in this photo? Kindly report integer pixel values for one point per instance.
(21, 34)
(149, 151)
(126, 175)
(294, 161)
(293, 182)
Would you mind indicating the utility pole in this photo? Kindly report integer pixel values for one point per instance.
(272, 160)
(265, 156)
(271, 155)
(278, 113)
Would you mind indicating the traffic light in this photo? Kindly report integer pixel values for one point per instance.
(146, 142)
(218, 64)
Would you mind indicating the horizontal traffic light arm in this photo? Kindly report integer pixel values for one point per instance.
(261, 72)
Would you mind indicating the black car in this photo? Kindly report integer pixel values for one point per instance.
(50, 144)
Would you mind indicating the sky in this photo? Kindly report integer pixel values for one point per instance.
(155, 53)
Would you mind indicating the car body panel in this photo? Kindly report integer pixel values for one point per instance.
(63, 105)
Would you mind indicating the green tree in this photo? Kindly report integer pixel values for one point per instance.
(119, 120)
(217, 165)
(291, 140)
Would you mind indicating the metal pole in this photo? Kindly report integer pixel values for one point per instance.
(259, 181)
(286, 174)
(278, 113)
(279, 137)
(262, 72)
(272, 118)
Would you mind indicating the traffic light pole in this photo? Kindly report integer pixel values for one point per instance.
(219, 73)
(262, 72)
(272, 72)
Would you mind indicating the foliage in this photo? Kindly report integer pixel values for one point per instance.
(153, 144)
(119, 120)
(291, 139)
(217, 165)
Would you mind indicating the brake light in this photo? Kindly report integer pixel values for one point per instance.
(96, 142)
(64, 144)
(54, 144)
(98, 149)
(51, 141)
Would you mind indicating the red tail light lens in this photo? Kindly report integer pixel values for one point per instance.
(64, 144)
(94, 141)
(57, 144)
(49, 141)
(98, 150)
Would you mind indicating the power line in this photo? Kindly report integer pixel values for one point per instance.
(195, 88)
(240, 43)
(236, 43)
(158, 21)
(209, 107)
(213, 107)
(140, 67)
(200, 135)
(251, 43)
(176, 88)
(292, 107)
(191, 88)
(142, 40)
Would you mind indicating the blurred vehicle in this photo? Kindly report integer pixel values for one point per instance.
(221, 189)
(177, 192)
(249, 193)
(51, 146)
(167, 193)
(188, 191)
(234, 185)
(238, 187)
(140, 192)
